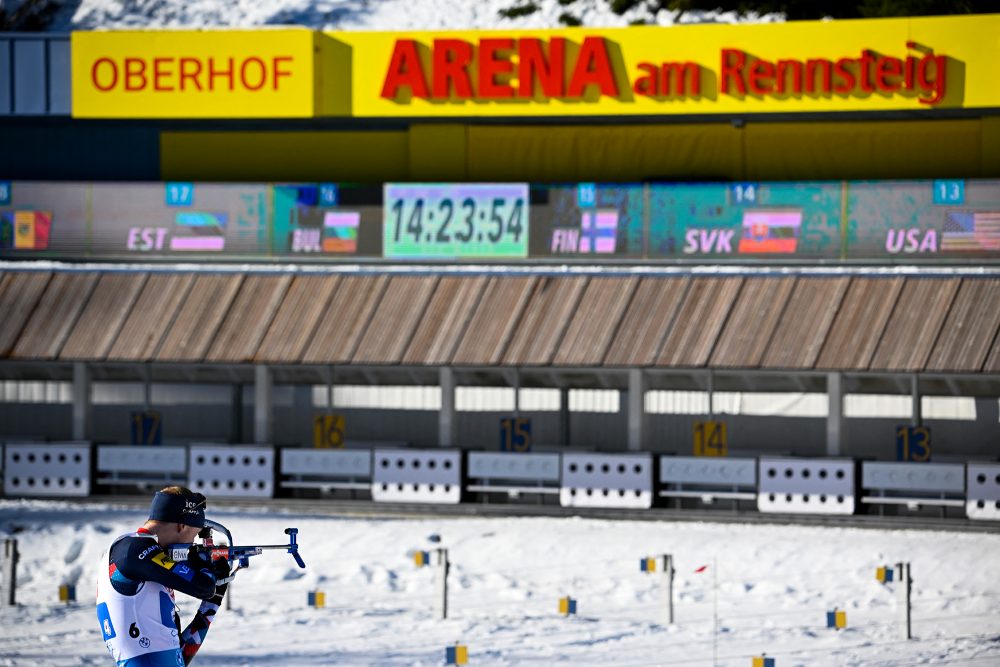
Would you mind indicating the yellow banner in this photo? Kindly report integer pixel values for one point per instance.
(914, 64)
(186, 74)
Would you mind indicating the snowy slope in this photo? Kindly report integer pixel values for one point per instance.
(775, 585)
(360, 14)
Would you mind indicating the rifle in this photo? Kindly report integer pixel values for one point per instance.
(234, 554)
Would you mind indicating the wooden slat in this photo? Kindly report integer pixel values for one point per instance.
(964, 342)
(545, 319)
(354, 300)
(492, 325)
(391, 328)
(54, 316)
(150, 317)
(913, 328)
(751, 322)
(199, 317)
(293, 326)
(691, 339)
(805, 323)
(595, 321)
(992, 364)
(247, 320)
(22, 292)
(859, 324)
(448, 314)
(104, 315)
(646, 321)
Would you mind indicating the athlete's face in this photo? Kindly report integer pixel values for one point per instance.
(186, 534)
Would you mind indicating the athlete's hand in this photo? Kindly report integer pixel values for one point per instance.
(221, 569)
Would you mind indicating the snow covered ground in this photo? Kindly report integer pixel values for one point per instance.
(774, 587)
(363, 14)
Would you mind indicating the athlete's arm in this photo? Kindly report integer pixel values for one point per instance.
(144, 560)
(194, 634)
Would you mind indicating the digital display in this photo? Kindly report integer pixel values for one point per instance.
(745, 220)
(921, 220)
(928, 221)
(455, 220)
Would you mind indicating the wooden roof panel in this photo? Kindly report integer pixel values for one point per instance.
(444, 322)
(545, 318)
(392, 327)
(964, 342)
(859, 324)
(646, 321)
(494, 321)
(248, 319)
(340, 328)
(22, 292)
(54, 316)
(106, 311)
(805, 322)
(911, 331)
(201, 312)
(701, 316)
(298, 315)
(150, 317)
(751, 322)
(595, 321)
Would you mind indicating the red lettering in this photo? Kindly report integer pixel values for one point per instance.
(935, 85)
(404, 70)
(793, 66)
(160, 73)
(192, 74)
(492, 65)
(135, 68)
(886, 69)
(114, 74)
(276, 70)
(733, 61)
(686, 76)
(261, 70)
(212, 73)
(649, 84)
(867, 59)
(825, 67)
(451, 61)
(842, 71)
(761, 77)
(532, 64)
(593, 68)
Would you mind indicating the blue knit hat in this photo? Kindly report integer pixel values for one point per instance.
(172, 508)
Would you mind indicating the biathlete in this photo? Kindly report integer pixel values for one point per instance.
(137, 580)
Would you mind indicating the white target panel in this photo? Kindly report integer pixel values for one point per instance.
(146, 459)
(917, 477)
(417, 476)
(231, 471)
(607, 480)
(522, 467)
(983, 491)
(326, 462)
(47, 469)
(806, 486)
(708, 471)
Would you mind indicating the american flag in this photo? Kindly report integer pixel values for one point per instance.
(971, 231)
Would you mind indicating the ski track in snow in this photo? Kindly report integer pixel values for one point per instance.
(775, 585)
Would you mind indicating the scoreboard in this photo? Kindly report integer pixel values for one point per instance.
(827, 221)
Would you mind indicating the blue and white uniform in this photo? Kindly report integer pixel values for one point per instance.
(135, 602)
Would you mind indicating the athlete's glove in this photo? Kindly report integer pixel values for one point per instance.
(221, 569)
